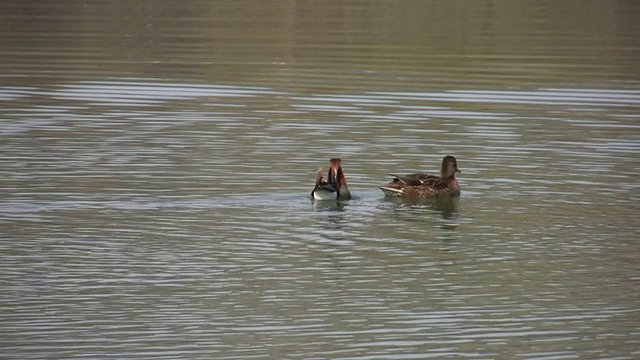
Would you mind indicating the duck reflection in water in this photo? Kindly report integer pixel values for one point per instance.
(333, 206)
(333, 213)
(447, 206)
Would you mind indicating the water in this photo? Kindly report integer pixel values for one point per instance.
(156, 162)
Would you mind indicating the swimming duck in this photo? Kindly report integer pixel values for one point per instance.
(424, 185)
(334, 187)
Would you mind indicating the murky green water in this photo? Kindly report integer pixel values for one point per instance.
(156, 161)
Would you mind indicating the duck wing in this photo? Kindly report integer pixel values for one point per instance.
(433, 182)
(413, 179)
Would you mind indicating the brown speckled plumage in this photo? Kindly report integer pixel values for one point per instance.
(424, 185)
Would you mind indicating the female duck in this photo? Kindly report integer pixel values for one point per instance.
(334, 187)
(424, 185)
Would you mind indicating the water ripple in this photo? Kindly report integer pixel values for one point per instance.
(155, 175)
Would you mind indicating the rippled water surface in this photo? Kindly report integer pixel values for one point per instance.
(156, 161)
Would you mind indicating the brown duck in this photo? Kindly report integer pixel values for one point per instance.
(424, 185)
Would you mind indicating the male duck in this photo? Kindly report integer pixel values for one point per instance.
(334, 187)
(426, 186)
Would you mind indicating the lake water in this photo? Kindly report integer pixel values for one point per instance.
(156, 160)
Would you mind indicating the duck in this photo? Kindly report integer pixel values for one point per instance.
(420, 185)
(335, 185)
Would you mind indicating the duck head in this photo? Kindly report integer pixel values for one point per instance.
(449, 167)
(336, 176)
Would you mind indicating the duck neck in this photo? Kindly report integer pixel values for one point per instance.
(447, 175)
